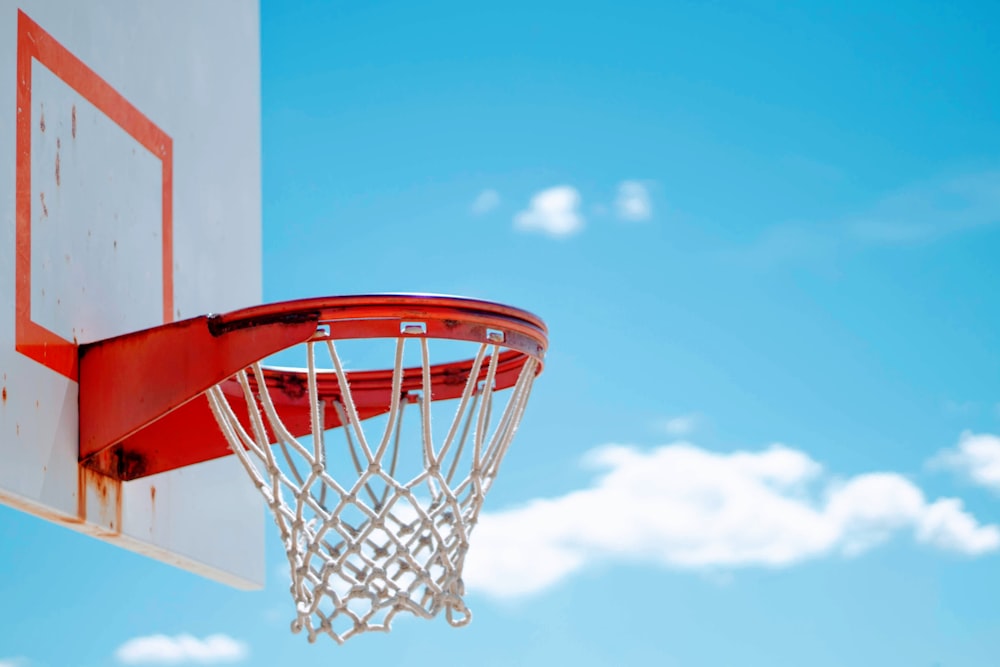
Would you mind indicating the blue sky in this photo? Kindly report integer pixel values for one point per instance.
(763, 238)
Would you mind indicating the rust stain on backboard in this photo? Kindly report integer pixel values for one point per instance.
(74, 121)
(152, 506)
(106, 516)
(106, 492)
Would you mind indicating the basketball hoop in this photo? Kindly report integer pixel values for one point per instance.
(367, 534)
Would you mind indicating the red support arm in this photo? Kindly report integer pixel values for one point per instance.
(133, 387)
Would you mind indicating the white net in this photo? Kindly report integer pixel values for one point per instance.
(368, 536)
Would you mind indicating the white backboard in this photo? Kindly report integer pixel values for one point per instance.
(129, 197)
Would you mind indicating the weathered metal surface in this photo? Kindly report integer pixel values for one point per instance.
(129, 197)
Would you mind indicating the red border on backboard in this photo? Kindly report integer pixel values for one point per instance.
(33, 43)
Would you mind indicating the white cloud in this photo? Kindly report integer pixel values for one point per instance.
(683, 507)
(944, 524)
(485, 201)
(164, 650)
(633, 202)
(680, 425)
(555, 211)
(13, 662)
(977, 456)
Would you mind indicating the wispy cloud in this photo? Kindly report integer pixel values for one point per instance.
(683, 507)
(633, 202)
(961, 408)
(679, 425)
(485, 201)
(14, 662)
(555, 211)
(916, 214)
(165, 650)
(976, 456)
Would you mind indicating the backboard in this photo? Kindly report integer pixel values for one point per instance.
(129, 197)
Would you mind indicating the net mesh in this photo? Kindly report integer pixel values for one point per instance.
(367, 536)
